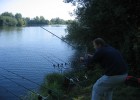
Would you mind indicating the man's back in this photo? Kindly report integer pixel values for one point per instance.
(115, 70)
(111, 60)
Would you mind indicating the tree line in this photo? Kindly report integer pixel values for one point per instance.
(9, 19)
(116, 21)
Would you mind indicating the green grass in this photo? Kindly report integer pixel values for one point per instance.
(126, 93)
(55, 82)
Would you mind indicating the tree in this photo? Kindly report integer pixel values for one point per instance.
(57, 21)
(8, 21)
(7, 14)
(27, 20)
(37, 20)
(117, 21)
(21, 21)
(1, 21)
(42, 20)
(18, 16)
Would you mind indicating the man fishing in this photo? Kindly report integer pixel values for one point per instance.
(115, 69)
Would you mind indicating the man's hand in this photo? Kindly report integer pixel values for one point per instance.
(89, 55)
(81, 58)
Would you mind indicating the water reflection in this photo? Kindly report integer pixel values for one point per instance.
(22, 50)
(9, 29)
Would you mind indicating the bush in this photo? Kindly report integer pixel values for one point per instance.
(53, 82)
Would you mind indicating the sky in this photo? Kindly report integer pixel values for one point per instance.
(32, 8)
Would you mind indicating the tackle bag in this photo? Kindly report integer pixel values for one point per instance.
(132, 81)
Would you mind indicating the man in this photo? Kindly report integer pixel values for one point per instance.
(115, 69)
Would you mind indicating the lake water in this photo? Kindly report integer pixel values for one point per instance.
(29, 52)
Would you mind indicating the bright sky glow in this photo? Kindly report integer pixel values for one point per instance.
(31, 8)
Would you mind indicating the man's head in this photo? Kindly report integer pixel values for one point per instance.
(98, 42)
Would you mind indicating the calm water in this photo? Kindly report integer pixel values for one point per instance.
(29, 52)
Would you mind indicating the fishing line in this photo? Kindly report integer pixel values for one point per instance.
(66, 43)
(60, 66)
(57, 57)
(27, 79)
(12, 93)
(50, 59)
(44, 58)
(20, 85)
(71, 80)
(57, 37)
(40, 97)
(52, 55)
(56, 64)
(47, 59)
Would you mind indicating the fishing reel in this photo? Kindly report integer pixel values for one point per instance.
(87, 63)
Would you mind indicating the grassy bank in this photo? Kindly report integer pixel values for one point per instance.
(55, 87)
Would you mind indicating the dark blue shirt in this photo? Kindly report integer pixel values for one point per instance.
(111, 60)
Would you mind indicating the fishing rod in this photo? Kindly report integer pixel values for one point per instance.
(64, 40)
(72, 80)
(39, 96)
(85, 55)
(49, 90)
(12, 93)
(51, 60)
(58, 65)
(57, 37)
(86, 49)
(57, 58)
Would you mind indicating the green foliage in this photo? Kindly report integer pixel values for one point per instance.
(107, 18)
(7, 14)
(53, 82)
(37, 21)
(18, 16)
(21, 22)
(120, 93)
(57, 21)
(126, 93)
(30, 96)
(7, 21)
(116, 21)
(69, 22)
(77, 33)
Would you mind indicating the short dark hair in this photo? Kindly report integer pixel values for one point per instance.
(99, 41)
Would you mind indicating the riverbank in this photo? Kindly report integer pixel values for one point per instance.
(55, 88)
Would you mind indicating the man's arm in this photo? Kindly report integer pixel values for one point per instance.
(92, 58)
(88, 56)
